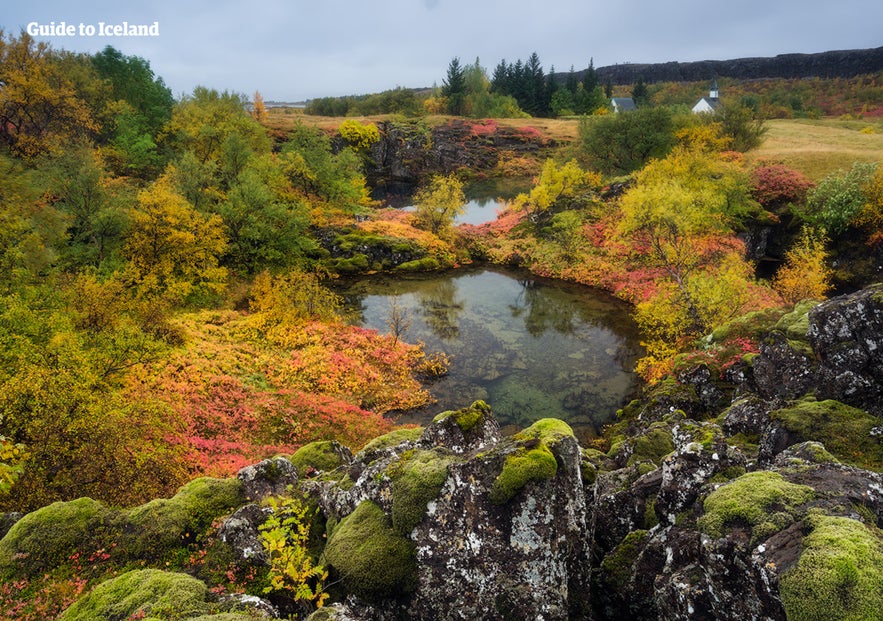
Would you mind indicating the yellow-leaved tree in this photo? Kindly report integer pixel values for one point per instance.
(258, 109)
(40, 110)
(172, 246)
(439, 203)
(805, 274)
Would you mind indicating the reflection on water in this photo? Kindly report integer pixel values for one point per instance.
(483, 198)
(531, 347)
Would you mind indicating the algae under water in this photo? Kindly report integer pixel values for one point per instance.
(531, 347)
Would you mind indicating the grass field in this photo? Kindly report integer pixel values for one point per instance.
(820, 147)
(815, 147)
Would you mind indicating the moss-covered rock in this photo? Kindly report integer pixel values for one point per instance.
(839, 574)
(150, 593)
(393, 438)
(324, 455)
(162, 525)
(762, 501)
(371, 557)
(533, 459)
(520, 468)
(844, 430)
(46, 537)
(416, 480)
(618, 565)
(465, 418)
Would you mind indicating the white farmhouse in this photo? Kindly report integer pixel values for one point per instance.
(710, 104)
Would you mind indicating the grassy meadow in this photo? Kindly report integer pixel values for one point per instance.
(820, 147)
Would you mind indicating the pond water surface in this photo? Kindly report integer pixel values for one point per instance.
(530, 347)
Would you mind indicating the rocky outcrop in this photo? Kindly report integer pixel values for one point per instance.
(833, 64)
(408, 152)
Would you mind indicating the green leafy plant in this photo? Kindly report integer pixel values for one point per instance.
(285, 537)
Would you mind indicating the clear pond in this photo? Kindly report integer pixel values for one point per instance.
(530, 347)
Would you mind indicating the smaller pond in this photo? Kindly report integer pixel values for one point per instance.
(483, 198)
(531, 347)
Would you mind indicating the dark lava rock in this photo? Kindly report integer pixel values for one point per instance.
(267, 478)
(846, 334)
(241, 532)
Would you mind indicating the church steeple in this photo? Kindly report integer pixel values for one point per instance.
(714, 93)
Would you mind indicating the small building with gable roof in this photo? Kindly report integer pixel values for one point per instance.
(710, 104)
(623, 104)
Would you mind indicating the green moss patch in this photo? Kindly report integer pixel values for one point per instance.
(533, 460)
(162, 525)
(144, 593)
(763, 501)
(319, 455)
(466, 418)
(372, 558)
(652, 446)
(416, 480)
(839, 574)
(618, 564)
(520, 468)
(547, 430)
(46, 537)
(393, 438)
(844, 430)
(795, 324)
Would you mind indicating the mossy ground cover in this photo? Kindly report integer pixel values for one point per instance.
(53, 555)
(839, 574)
(763, 501)
(393, 438)
(844, 430)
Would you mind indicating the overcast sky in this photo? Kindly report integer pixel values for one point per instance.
(292, 50)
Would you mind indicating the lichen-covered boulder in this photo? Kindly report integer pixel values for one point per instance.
(463, 430)
(508, 529)
(846, 333)
(503, 519)
(270, 477)
(241, 533)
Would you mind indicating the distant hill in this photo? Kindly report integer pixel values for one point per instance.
(834, 64)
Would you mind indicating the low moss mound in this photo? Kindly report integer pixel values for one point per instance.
(844, 430)
(548, 430)
(839, 574)
(763, 501)
(319, 455)
(165, 524)
(47, 537)
(466, 418)
(372, 558)
(142, 593)
(393, 438)
(532, 461)
(653, 445)
(416, 480)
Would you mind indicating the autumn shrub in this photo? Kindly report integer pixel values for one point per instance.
(776, 184)
(358, 135)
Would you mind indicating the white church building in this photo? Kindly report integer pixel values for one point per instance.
(710, 104)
